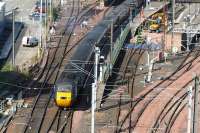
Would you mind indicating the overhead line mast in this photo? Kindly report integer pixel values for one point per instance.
(173, 19)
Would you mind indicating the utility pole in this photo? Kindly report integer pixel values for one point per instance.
(195, 110)
(146, 3)
(13, 38)
(94, 87)
(111, 46)
(173, 18)
(188, 29)
(39, 48)
(164, 34)
(61, 2)
(189, 109)
(46, 14)
(148, 40)
(188, 39)
(50, 4)
(101, 61)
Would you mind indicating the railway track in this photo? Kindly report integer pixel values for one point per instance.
(169, 116)
(42, 100)
(61, 123)
(170, 109)
(65, 126)
(133, 76)
(56, 70)
(48, 74)
(130, 56)
(141, 103)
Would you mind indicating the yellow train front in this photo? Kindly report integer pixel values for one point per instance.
(64, 95)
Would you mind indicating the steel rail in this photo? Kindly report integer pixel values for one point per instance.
(138, 100)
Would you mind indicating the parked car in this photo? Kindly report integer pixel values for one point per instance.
(36, 16)
(29, 41)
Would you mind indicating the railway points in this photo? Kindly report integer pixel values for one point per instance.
(92, 21)
(142, 69)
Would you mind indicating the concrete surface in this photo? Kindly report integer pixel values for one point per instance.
(23, 54)
(192, 10)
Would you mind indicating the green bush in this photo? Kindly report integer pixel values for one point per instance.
(55, 13)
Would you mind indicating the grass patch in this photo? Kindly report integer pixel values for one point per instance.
(8, 79)
(9, 75)
(7, 68)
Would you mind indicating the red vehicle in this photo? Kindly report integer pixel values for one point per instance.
(37, 9)
(38, 5)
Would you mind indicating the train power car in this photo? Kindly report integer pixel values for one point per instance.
(72, 80)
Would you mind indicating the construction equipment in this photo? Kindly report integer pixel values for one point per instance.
(156, 21)
(154, 26)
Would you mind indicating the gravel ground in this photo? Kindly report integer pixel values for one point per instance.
(157, 105)
(78, 34)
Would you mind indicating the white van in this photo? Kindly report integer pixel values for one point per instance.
(29, 41)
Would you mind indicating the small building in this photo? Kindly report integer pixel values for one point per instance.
(2, 16)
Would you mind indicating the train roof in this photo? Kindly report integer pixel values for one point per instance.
(86, 47)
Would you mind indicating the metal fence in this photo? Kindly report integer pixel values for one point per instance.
(2, 106)
(116, 50)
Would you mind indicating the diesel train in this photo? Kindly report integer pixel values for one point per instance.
(76, 75)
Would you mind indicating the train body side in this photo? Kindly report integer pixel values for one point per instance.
(84, 54)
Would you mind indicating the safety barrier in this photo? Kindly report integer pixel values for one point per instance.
(115, 52)
(2, 106)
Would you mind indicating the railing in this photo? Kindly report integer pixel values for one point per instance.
(194, 30)
(116, 50)
(2, 106)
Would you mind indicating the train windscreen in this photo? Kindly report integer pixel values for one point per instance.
(64, 87)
